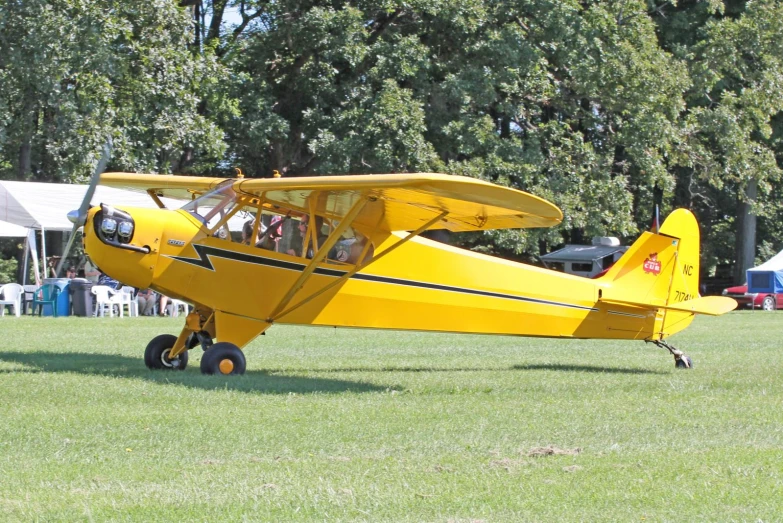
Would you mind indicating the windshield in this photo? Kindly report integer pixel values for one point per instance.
(211, 207)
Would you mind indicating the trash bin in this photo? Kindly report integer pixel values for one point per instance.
(81, 297)
(63, 299)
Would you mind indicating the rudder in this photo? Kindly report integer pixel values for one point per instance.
(659, 270)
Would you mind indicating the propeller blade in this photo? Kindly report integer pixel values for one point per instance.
(67, 250)
(96, 177)
(85, 206)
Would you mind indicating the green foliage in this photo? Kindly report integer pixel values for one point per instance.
(9, 249)
(8, 271)
(73, 73)
(605, 108)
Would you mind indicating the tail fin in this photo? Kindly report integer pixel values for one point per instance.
(662, 271)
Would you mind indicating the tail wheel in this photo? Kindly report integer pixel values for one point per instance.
(223, 358)
(156, 355)
(683, 363)
(768, 304)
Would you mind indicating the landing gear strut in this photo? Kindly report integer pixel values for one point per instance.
(201, 338)
(681, 361)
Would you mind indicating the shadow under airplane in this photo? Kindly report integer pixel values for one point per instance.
(253, 381)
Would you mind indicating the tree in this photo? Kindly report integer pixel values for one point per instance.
(73, 73)
(728, 163)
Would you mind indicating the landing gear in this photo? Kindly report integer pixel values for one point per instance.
(156, 355)
(199, 338)
(223, 358)
(681, 361)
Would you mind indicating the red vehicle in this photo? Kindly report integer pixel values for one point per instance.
(762, 300)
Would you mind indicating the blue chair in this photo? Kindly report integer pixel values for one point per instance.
(46, 294)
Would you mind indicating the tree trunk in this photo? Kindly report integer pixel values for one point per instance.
(746, 234)
(25, 163)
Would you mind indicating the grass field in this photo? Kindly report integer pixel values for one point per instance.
(387, 426)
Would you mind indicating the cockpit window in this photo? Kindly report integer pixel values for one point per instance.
(211, 207)
(275, 227)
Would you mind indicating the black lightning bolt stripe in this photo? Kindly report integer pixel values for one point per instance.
(205, 252)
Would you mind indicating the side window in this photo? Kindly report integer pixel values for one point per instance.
(227, 224)
(581, 267)
(260, 229)
(351, 248)
(556, 266)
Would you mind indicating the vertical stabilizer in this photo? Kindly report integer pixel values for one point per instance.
(660, 270)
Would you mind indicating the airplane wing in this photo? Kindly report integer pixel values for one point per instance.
(169, 186)
(397, 202)
(404, 202)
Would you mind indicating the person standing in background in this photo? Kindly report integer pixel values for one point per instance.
(146, 299)
(91, 272)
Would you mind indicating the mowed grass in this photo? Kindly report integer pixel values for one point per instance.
(389, 426)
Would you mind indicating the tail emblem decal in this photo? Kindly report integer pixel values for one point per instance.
(652, 265)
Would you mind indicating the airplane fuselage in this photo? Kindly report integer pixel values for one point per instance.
(422, 285)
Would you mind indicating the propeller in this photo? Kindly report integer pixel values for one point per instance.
(79, 217)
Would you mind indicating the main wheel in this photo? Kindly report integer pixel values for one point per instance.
(156, 355)
(223, 358)
(768, 304)
(681, 363)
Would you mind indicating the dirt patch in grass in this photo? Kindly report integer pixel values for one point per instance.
(551, 450)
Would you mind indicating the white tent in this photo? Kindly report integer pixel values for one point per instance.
(35, 206)
(11, 230)
(46, 205)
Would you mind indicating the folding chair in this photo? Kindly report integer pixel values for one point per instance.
(105, 299)
(11, 294)
(128, 299)
(175, 306)
(46, 294)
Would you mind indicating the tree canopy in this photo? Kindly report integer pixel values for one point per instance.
(605, 108)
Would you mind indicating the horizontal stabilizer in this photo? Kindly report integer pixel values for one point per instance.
(711, 305)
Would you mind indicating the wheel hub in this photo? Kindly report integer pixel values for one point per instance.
(164, 358)
(226, 366)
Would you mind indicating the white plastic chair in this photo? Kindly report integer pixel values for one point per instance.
(127, 298)
(175, 305)
(11, 294)
(106, 298)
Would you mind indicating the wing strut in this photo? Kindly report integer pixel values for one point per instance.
(320, 254)
(347, 275)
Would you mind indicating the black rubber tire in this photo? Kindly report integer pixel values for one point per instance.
(768, 304)
(210, 361)
(155, 355)
(680, 364)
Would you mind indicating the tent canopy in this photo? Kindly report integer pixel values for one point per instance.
(11, 230)
(767, 277)
(46, 205)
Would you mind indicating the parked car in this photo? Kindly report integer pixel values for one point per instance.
(762, 300)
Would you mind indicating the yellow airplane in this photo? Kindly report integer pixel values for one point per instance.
(359, 261)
